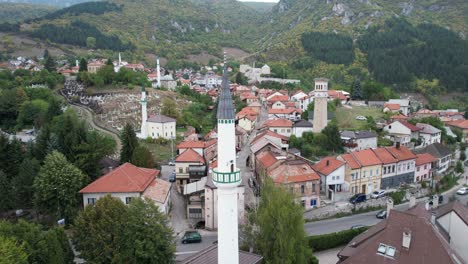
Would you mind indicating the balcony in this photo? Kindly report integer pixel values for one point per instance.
(226, 177)
(196, 171)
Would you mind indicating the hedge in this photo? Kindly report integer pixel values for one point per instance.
(333, 240)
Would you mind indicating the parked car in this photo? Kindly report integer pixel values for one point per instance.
(357, 226)
(171, 162)
(191, 237)
(378, 194)
(172, 177)
(361, 118)
(463, 191)
(381, 214)
(358, 198)
(441, 199)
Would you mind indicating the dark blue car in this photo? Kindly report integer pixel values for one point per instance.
(358, 198)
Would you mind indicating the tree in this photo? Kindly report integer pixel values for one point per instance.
(5, 192)
(142, 157)
(169, 108)
(22, 185)
(279, 232)
(46, 53)
(129, 143)
(91, 42)
(333, 138)
(356, 90)
(83, 65)
(110, 232)
(57, 185)
(109, 62)
(12, 251)
(459, 167)
(49, 64)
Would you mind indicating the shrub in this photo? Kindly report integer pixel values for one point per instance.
(397, 197)
(327, 241)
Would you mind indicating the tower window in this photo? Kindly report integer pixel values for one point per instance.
(232, 167)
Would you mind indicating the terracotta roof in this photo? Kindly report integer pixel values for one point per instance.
(293, 171)
(267, 159)
(209, 255)
(290, 104)
(283, 111)
(424, 158)
(210, 142)
(158, 190)
(463, 124)
(412, 127)
(191, 144)
(281, 98)
(278, 123)
(426, 245)
(401, 153)
(255, 104)
(249, 117)
(328, 165)
(269, 133)
(351, 161)
(366, 157)
(385, 156)
(160, 119)
(399, 116)
(394, 107)
(214, 164)
(126, 178)
(190, 155)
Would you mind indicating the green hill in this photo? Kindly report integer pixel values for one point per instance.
(13, 13)
(260, 6)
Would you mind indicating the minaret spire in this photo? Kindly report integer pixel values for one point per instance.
(158, 70)
(227, 177)
(144, 113)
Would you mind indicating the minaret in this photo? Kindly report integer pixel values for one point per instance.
(144, 114)
(120, 60)
(320, 105)
(158, 70)
(227, 177)
(77, 64)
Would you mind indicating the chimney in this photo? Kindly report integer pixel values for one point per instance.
(406, 242)
(435, 201)
(389, 206)
(412, 201)
(328, 163)
(397, 142)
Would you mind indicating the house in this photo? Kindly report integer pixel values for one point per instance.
(402, 132)
(461, 125)
(358, 140)
(161, 126)
(292, 114)
(398, 117)
(393, 108)
(424, 167)
(441, 153)
(280, 126)
(94, 66)
(332, 177)
(127, 182)
(405, 105)
(363, 171)
(301, 126)
(429, 134)
(406, 237)
(167, 81)
(247, 122)
(404, 167)
(248, 97)
(255, 106)
(291, 172)
(190, 166)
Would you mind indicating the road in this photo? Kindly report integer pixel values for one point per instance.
(186, 250)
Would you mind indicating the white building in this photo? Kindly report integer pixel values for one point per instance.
(161, 126)
(429, 134)
(332, 177)
(405, 105)
(300, 127)
(128, 182)
(280, 126)
(358, 140)
(402, 131)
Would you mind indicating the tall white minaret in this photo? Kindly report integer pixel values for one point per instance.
(320, 105)
(158, 70)
(227, 177)
(77, 64)
(120, 60)
(144, 114)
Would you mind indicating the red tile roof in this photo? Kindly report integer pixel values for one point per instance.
(278, 123)
(210, 142)
(366, 157)
(158, 190)
(463, 124)
(283, 111)
(351, 161)
(269, 133)
(394, 107)
(190, 155)
(385, 156)
(281, 98)
(401, 153)
(328, 165)
(424, 159)
(399, 116)
(126, 178)
(191, 144)
(267, 159)
(412, 127)
(293, 171)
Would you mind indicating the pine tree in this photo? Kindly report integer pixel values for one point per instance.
(5, 192)
(50, 64)
(356, 90)
(22, 185)
(83, 65)
(129, 143)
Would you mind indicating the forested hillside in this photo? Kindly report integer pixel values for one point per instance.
(57, 3)
(13, 13)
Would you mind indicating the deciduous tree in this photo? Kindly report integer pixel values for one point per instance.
(142, 157)
(129, 143)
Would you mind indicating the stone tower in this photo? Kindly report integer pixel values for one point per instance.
(320, 105)
(144, 114)
(227, 178)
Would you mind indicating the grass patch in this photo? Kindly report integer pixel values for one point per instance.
(346, 117)
(161, 151)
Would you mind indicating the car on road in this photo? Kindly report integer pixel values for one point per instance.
(171, 162)
(378, 194)
(358, 198)
(357, 226)
(172, 177)
(361, 118)
(463, 191)
(381, 214)
(441, 199)
(191, 237)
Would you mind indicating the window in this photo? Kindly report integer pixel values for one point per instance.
(181, 170)
(384, 170)
(313, 187)
(371, 173)
(282, 130)
(128, 200)
(92, 201)
(302, 188)
(364, 174)
(313, 202)
(275, 130)
(289, 130)
(303, 203)
(417, 169)
(425, 166)
(376, 172)
(393, 168)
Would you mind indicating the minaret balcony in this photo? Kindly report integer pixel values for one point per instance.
(226, 177)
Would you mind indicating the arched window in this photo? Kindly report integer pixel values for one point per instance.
(232, 167)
